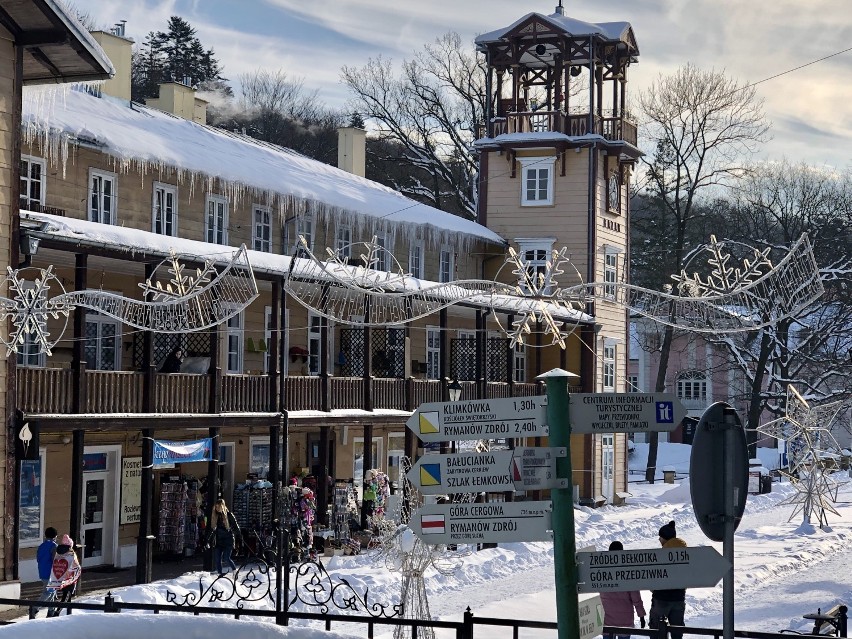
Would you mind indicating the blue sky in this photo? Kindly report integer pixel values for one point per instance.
(810, 109)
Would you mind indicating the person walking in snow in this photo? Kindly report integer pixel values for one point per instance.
(669, 604)
(44, 558)
(224, 534)
(64, 574)
(619, 606)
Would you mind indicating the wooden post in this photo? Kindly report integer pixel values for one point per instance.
(322, 480)
(212, 491)
(78, 357)
(77, 450)
(145, 538)
(368, 464)
(274, 348)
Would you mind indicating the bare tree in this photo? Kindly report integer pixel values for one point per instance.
(774, 206)
(275, 92)
(701, 124)
(429, 112)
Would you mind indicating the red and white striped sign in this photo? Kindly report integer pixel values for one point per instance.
(432, 524)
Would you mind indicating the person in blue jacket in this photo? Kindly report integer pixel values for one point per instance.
(44, 557)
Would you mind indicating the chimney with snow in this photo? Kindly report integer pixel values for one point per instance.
(180, 100)
(118, 49)
(352, 150)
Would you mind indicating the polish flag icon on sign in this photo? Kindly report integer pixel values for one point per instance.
(432, 524)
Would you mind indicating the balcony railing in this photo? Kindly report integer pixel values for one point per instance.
(611, 128)
(50, 391)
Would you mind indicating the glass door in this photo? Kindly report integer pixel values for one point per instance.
(607, 465)
(94, 510)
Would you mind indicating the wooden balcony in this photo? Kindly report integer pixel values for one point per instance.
(614, 129)
(50, 391)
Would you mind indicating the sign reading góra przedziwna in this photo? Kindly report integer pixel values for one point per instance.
(480, 419)
(650, 569)
(483, 523)
(624, 412)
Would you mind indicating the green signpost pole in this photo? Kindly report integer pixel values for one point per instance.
(564, 547)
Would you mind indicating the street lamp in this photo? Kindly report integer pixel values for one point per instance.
(454, 390)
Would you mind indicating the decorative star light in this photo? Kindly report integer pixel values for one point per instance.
(185, 304)
(812, 452)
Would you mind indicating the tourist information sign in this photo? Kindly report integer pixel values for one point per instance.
(480, 419)
(651, 569)
(624, 412)
(591, 616)
(524, 468)
(483, 523)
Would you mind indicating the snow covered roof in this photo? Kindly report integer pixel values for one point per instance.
(82, 233)
(139, 137)
(620, 31)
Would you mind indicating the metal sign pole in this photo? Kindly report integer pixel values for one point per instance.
(564, 547)
(731, 499)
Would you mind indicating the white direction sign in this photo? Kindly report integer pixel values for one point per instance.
(483, 523)
(624, 412)
(524, 468)
(480, 419)
(591, 616)
(650, 569)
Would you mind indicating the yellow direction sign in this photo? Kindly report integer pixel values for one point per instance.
(480, 419)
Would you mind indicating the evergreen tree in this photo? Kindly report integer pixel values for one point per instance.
(175, 55)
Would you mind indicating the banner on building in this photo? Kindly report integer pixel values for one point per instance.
(168, 453)
(131, 490)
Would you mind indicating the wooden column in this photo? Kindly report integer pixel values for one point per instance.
(212, 490)
(78, 356)
(274, 346)
(368, 464)
(149, 381)
(145, 538)
(282, 351)
(76, 519)
(215, 396)
(322, 480)
(325, 383)
(367, 363)
(480, 355)
(274, 476)
(444, 347)
(510, 359)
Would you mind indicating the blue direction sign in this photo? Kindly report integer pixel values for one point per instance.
(624, 412)
(483, 523)
(480, 419)
(524, 468)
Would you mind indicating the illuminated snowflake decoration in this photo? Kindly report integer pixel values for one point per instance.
(539, 285)
(377, 291)
(812, 454)
(402, 551)
(30, 307)
(724, 278)
(186, 303)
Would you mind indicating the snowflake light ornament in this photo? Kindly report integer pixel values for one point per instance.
(812, 454)
(185, 304)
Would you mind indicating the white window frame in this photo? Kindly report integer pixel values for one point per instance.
(168, 218)
(633, 384)
(692, 386)
(396, 451)
(98, 213)
(417, 259)
(104, 320)
(385, 240)
(535, 253)
(447, 264)
(343, 240)
(533, 171)
(263, 442)
(27, 182)
(39, 534)
(261, 228)
(433, 352)
(216, 229)
(234, 343)
(610, 271)
(358, 479)
(267, 336)
(519, 364)
(315, 335)
(305, 228)
(608, 376)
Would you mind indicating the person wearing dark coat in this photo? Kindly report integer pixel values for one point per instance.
(669, 604)
(224, 534)
(173, 361)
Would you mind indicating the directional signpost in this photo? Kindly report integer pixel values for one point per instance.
(480, 419)
(625, 412)
(524, 468)
(483, 523)
(651, 569)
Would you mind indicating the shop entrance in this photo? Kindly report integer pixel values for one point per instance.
(98, 529)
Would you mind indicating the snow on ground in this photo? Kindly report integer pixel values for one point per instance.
(782, 569)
